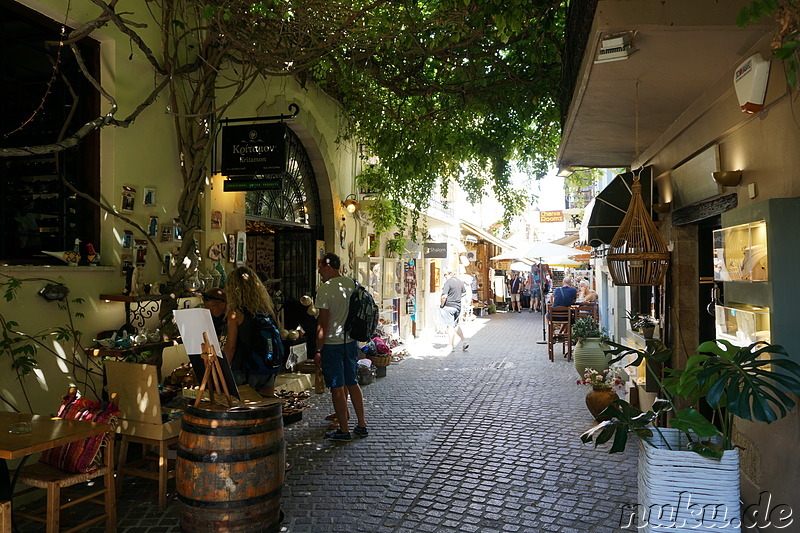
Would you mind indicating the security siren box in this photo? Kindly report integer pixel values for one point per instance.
(750, 82)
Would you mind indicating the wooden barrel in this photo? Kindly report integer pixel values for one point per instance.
(230, 468)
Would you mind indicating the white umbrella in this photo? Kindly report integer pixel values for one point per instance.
(562, 262)
(511, 254)
(547, 249)
(540, 251)
(520, 266)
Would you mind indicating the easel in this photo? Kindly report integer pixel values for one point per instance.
(214, 370)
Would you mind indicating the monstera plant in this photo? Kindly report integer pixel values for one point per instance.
(753, 383)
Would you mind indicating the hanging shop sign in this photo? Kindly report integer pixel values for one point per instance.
(252, 183)
(435, 250)
(551, 216)
(254, 149)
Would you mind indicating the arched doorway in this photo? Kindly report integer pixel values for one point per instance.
(283, 227)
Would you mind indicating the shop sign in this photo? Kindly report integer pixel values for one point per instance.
(254, 149)
(551, 216)
(252, 184)
(435, 250)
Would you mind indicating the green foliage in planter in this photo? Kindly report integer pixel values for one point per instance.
(734, 381)
(587, 328)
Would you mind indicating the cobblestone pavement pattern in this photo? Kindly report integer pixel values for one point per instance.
(485, 441)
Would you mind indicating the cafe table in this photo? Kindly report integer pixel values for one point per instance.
(46, 433)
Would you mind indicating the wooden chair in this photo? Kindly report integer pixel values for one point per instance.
(162, 474)
(559, 331)
(44, 476)
(586, 309)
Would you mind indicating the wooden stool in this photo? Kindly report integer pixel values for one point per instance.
(5, 517)
(163, 474)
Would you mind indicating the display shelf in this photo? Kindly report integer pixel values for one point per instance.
(740, 252)
(742, 325)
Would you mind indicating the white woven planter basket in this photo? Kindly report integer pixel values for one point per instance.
(683, 492)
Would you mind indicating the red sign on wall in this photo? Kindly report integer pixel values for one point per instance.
(551, 216)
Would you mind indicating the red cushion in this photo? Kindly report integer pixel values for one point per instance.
(81, 456)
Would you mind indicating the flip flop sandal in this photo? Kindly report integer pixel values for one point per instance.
(331, 417)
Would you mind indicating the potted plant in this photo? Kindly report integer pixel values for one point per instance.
(647, 325)
(632, 319)
(605, 384)
(589, 350)
(696, 457)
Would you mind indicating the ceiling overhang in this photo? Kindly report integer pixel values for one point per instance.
(684, 47)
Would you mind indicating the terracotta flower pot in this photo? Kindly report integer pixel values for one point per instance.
(589, 354)
(598, 399)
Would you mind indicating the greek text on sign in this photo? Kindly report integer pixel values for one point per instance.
(551, 216)
(254, 149)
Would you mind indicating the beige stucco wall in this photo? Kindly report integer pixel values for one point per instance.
(765, 148)
(144, 155)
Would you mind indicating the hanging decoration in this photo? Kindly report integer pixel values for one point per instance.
(638, 255)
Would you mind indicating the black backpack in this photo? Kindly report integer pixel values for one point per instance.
(266, 348)
(362, 316)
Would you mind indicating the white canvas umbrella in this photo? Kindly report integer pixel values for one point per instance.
(511, 254)
(520, 266)
(540, 251)
(562, 262)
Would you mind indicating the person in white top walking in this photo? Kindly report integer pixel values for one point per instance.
(337, 354)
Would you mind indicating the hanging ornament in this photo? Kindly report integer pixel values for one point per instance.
(638, 255)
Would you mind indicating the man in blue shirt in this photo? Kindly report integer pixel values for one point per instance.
(566, 294)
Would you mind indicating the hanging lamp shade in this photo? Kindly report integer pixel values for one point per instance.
(638, 255)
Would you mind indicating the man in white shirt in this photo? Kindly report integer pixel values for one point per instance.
(337, 354)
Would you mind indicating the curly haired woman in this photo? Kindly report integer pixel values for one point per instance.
(246, 296)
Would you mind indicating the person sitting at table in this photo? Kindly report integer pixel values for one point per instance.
(564, 296)
(585, 294)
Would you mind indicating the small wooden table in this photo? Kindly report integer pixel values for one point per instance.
(45, 433)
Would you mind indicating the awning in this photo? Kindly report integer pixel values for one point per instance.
(612, 203)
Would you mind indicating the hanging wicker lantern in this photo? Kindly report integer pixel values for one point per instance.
(638, 255)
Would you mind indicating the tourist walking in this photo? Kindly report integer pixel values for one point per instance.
(450, 308)
(337, 354)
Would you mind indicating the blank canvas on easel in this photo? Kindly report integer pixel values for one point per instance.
(192, 323)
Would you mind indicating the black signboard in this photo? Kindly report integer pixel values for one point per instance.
(435, 250)
(252, 184)
(254, 149)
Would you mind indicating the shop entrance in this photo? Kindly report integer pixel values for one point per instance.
(283, 227)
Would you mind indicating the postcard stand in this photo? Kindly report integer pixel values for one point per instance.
(213, 377)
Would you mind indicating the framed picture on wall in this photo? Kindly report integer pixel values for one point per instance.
(149, 196)
(216, 219)
(241, 247)
(152, 227)
(166, 232)
(128, 200)
(231, 248)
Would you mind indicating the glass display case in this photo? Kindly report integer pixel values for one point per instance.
(740, 253)
(742, 325)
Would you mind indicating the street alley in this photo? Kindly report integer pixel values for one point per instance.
(485, 441)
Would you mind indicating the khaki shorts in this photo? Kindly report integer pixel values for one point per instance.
(515, 297)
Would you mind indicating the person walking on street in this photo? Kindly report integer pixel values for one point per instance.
(337, 354)
(516, 289)
(450, 307)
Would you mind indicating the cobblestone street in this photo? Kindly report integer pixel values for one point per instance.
(485, 441)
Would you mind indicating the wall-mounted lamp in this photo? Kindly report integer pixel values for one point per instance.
(662, 208)
(351, 204)
(728, 178)
(565, 172)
